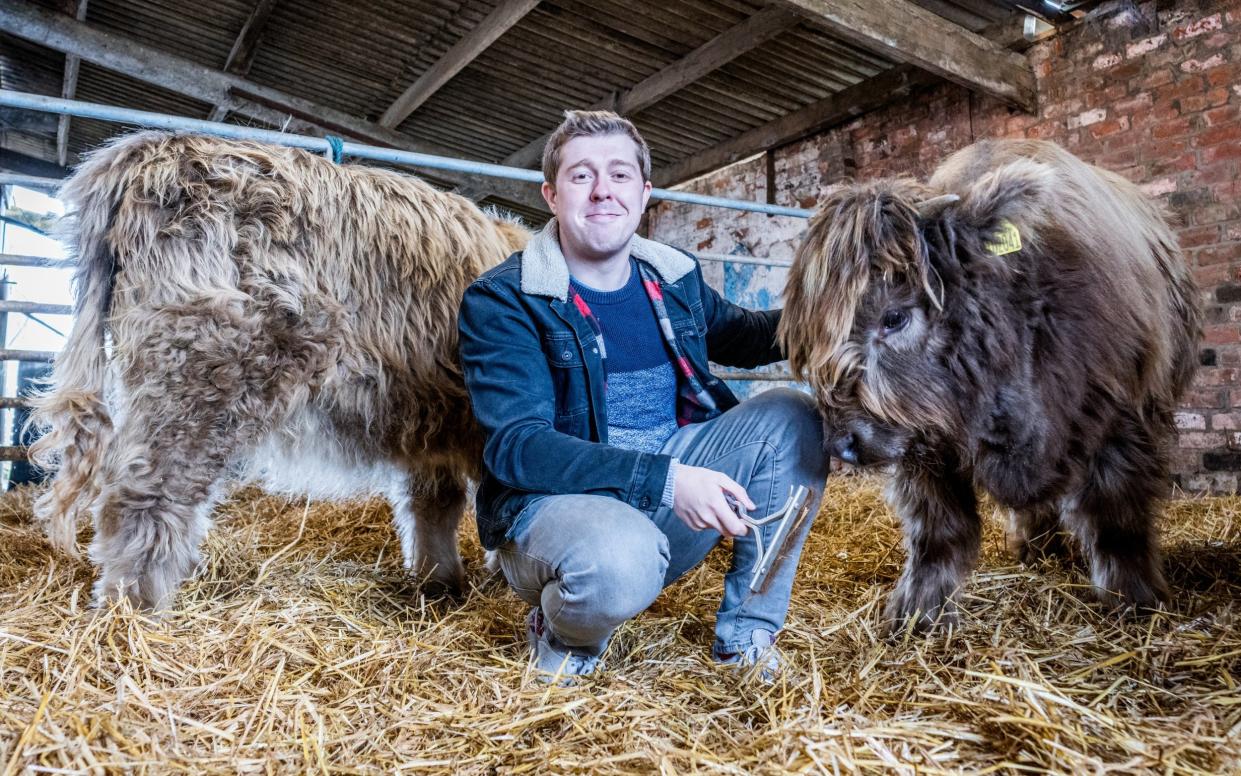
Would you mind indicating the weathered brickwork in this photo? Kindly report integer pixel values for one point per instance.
(1150, 90)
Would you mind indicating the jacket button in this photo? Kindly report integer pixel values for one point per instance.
(566, 354)
(645, 503)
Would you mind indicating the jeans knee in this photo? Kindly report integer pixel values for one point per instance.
(624, 577)
(796, 421)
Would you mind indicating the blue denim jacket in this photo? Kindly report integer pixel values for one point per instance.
(536, 380)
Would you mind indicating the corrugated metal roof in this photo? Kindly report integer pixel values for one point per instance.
(565, 53)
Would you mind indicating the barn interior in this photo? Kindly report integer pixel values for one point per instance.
(302, 646)
(706, 82)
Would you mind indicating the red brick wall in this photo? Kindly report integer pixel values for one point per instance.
(1150, 90)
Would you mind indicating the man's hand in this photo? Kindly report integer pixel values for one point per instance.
(698, 499)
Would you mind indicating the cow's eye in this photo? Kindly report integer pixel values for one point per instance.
(894, 321)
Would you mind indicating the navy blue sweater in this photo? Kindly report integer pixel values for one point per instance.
(641, 383)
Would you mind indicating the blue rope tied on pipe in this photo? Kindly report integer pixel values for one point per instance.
(336, 148)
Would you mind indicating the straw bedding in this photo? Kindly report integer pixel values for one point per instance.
(301, 647)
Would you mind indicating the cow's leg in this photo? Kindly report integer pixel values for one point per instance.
(153, 517)
(1034, 533)
(162, 476)
(427, 521)
(202, 382)
(400, 497)
(942, 537)
(1115, 519)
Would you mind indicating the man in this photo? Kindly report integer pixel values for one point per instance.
(610, 447)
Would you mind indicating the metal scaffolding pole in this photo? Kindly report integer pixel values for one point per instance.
(41, 103)
(34, 102)
(29, 181)
(728, 258)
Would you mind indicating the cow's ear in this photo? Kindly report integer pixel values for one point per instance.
(1017, 192)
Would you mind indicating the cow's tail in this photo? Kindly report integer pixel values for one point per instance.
(71, 410)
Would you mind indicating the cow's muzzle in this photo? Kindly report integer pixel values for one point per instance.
(844, 447)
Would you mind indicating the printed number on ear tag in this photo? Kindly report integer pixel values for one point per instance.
(1007, 240)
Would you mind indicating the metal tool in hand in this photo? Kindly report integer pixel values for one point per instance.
(790, 517)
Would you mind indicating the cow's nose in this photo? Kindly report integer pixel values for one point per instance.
(844, 447)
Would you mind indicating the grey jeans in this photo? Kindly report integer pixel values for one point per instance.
(593, 562)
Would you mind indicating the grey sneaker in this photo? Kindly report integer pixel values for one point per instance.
(555, 662)
(761, 658)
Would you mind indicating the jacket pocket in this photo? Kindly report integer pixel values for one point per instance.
(700, 317)
(688, 331)
(568, 375)
(562, 350)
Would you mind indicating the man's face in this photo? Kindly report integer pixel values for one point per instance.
(599, 195)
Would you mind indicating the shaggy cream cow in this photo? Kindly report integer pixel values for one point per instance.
(246, 306)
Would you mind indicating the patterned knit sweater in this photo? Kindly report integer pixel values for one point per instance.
(641, 383)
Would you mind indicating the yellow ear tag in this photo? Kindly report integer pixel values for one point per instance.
(1007, 240)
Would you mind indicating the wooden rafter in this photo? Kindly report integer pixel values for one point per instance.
(902, 31)
(124, 55)
(69, 87)
(971, 14)
(241, 56)
(25, 164)
(834, 109)
(710, 56)
(463, 52)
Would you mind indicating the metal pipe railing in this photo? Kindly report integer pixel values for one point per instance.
(29, 181)
(22, 306)
(728, 258)
(9, 98)
(42, 103)
(34, 261)
(18, 260)
(14, 453)
(33, 356)
(724, 374)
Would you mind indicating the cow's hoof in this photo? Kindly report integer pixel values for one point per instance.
(1035, 550)
(904, 615)
(1133, 597)
(443, 585)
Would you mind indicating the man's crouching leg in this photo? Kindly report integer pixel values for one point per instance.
(770, 444)
(587, 564)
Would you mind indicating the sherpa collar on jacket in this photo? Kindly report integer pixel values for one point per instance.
(544, 271)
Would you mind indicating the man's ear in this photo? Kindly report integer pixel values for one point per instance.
(549, 196)
(646, 195)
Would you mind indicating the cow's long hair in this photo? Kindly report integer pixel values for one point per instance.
(1046, 375)
(1077, 218)
(229, 294)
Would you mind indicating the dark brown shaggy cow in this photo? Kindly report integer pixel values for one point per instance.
(249, 308)
(1027, 333)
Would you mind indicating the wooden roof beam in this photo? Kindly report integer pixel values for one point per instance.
(69, 87)
(241, 56)
(710, 56)
(868, 95)
(124, 55)
(902, 31)
(456, 59)
(24, 164)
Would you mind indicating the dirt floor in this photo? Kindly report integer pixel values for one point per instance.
(301, 647)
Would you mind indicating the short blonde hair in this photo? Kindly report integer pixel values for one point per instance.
(589, 123)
